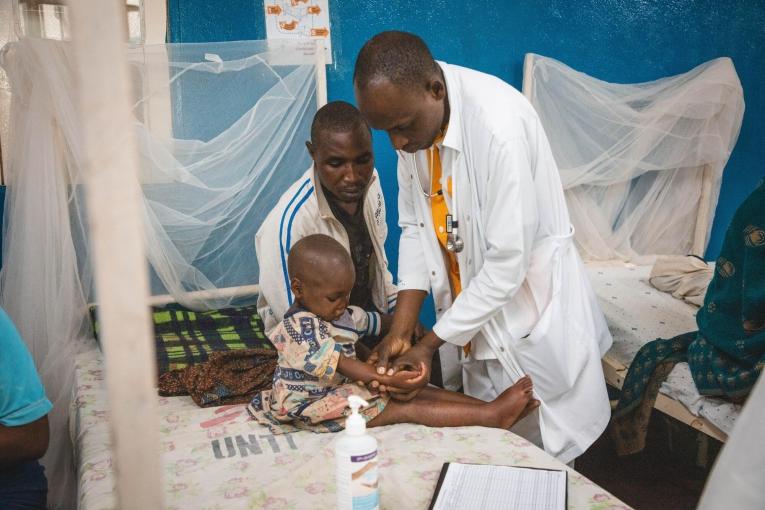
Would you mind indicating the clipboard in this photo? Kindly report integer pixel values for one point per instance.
(445, 469)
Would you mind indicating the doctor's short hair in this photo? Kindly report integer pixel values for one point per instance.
(317, 256)
(337, 117)
(399, 57)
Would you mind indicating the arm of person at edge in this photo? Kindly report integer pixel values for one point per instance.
(23, 405)
(24, 442)
(505, 262)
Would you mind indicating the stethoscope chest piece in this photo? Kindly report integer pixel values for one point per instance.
(454, 242)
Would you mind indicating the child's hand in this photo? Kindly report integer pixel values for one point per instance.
(410, 379)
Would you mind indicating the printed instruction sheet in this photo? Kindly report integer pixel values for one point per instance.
(304, 20)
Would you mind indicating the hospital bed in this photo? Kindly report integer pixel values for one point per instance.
(218, 457)
(637, 313)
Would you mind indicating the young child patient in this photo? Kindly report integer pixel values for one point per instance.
(318, 369)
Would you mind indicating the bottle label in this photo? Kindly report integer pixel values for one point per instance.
(364, 482)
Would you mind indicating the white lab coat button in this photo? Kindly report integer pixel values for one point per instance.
(422, 224)
(439, 310)
(433, 273)
(468, 217)
(470, 262)
(411, 176)
(502, 349)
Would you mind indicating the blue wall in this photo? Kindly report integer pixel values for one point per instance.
(615, 40)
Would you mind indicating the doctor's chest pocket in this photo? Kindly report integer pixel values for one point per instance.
(554, 353)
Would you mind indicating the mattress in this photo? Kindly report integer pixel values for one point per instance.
(216, 458)
(637, 313)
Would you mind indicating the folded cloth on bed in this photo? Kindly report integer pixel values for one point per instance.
(231, 377)
(184, 337)
(685, 277)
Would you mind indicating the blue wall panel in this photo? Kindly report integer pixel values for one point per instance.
(615, 40)
(205, 21)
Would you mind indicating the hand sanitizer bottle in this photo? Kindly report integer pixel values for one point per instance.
(356, 463)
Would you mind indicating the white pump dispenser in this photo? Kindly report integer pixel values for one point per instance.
(356, 462)
(355, 425)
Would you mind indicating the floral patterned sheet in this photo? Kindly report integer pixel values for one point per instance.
(636, 313)
(217, 458)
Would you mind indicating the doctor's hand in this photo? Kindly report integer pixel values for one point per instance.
(422, 352)
(391, 346)
(405, 384)
(419, 357)
(401, 385)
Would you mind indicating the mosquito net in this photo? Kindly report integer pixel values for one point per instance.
(220, 129)
(641, 164)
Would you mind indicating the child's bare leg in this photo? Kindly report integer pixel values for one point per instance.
(502, 413)
(440, 394)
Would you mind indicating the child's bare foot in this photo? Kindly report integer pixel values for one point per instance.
(511, 403)
(530, 407)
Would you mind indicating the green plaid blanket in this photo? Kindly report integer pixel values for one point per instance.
(184, 337)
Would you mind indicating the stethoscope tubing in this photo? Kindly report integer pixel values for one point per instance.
(455, 244)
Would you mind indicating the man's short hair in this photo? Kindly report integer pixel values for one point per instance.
(399, 57)
(337, 117)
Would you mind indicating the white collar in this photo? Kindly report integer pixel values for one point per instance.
(453, 137)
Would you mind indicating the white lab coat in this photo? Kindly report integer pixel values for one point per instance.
(525, 298)
(301, 211)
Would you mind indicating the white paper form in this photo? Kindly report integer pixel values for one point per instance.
(469, 486)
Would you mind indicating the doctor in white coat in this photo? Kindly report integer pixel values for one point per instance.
(485, 228)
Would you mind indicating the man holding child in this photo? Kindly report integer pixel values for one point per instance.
(339, 196)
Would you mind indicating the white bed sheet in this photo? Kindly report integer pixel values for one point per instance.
(638, 313)
(217, 458)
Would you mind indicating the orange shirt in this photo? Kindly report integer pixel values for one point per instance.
(439, 211)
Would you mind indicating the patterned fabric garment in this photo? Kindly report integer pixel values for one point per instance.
(308, 392)
(228, 377)
(727, 354)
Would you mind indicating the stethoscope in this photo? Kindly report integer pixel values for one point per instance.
(454, 242)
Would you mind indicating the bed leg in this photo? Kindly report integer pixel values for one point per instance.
(702, 450)
(669, 427)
